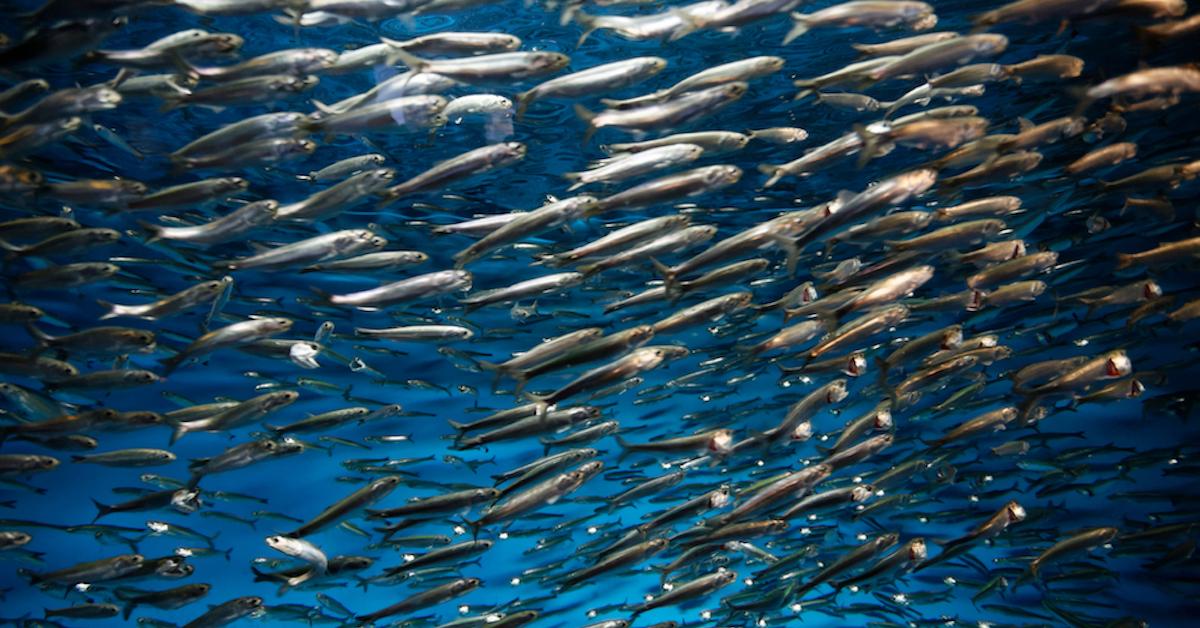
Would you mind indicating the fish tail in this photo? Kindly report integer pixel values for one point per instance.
(688, 24)
(588, 117)
(288, 19)
(171, 363)
(475, 527)
(774, 174)
(127, 610)
(1124, 260)
(259, 576)
(524, 99)
(521, 380)
(1080, 94)
(172, 102)
(588, 22)
(576, 180)
(194, 480)
(416, 64)
(497, 371)
(1147, 38)
(800, 25)
(749, 351)
(884, 367)
(790, 249)
(156, 231)
(670, 276)
(101, 509)
(393, 528)
(33, 577)
(548, 259)
(870, 147)
(178, 431)
(185, 68)
(113, 309)
(541, 407)
(322, 296)
(43, 339)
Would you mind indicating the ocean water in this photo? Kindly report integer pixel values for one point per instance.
(1126, 464)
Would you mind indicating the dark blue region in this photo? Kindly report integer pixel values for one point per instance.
(1128, 464)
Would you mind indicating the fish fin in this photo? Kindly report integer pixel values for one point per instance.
(1023, 124)
(800, 26)
(1124, 260)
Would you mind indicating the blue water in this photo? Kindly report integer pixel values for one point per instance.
(438, 384)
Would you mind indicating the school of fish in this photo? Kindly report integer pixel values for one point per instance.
(600, 313)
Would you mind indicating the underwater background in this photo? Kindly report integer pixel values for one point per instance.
(1122, 463)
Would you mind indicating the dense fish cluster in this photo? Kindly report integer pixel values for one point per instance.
(608, 313)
